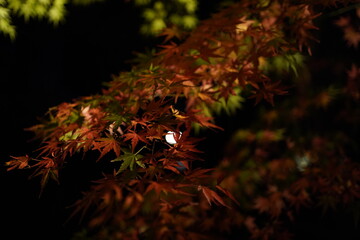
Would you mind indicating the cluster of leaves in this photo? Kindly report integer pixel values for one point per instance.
(150, 188)
(350, 26)
(53, 10)
(160, 14)
(157, 14)
(301, 154)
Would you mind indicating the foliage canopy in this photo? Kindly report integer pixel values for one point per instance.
(154, 189)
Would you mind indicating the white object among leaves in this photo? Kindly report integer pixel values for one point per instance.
(170, 137)
(302, 162)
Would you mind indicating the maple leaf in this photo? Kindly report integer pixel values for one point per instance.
(87, 138)
(176, 167)
(176, 113)
(46, 168)
(18, 162)
(343, 22)
(197, 174)
(262, 204)
(251, 225)
(105, 145)
(167, 187)
(212, 196)
(272, 205)
(135, 138)
(184, 150)
(352, 36)
(206, 53)
(50, 147)
(154, 186)
(169, 50)
(268, 91)
(157, 107)
(227, 193)
(105, 194)
(142, 122)
(170, 33)
(201, 119)
(129, 159)
(66, 112)
(155, 133)
(301, 184)
(46, 162)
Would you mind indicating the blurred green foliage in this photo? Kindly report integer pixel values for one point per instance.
(157, 14)
(52, 10)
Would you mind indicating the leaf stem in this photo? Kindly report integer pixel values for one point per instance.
(340, 11)
(140, 150)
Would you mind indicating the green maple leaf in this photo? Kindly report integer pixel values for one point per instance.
(129, 160)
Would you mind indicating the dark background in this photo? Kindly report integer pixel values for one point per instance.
(48, 65)
(44, 67)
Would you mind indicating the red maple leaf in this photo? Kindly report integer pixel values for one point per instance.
(171, 32)
(262, 204)
(196, 116)
(105, 145)
(18, 162)
(135, 138)
(46, 168)
(211, 196)
(169, 50)
(268, 91)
